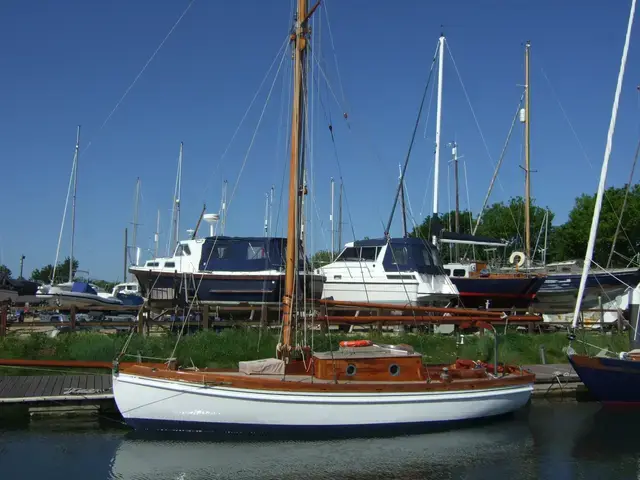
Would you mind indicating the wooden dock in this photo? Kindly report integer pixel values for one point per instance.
(55, 389)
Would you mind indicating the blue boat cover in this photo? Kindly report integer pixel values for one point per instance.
(243, 254)
(83, 287)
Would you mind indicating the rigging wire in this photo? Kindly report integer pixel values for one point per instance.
(411, 143)
(255, 133)
(497, 170)
(475, 119)
(197, 288)
(246, 113)
(137, 77)
(624, 205)
(64, 216)
(584, 151)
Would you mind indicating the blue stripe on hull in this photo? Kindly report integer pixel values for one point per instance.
(297, 432)
(614, 381)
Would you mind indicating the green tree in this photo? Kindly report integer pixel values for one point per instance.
(575, 232)
(503, 221)
(45, 273)
(320, 258)
(106, 286)
(4, 270)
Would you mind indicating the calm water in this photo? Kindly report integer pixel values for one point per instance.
(546, 441)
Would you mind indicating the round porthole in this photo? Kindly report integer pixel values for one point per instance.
(351, 370)
(394, 370)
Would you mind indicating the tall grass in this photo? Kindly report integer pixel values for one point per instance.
(225, 349)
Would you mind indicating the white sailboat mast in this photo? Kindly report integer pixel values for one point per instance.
(73, 204)
(136, 207)
(436, 169)
(333, 232)
(603, 173)
(174, 236)
(157, 235)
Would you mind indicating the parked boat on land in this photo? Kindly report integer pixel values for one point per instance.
(406, 271)
(480, 287)
(75, 294)
(7, 291)
(224, 269)
(560, 289)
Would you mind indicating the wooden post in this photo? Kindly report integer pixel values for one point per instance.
(601, 313)
(264, 315)
(378, 324)
(205, 317)
(141, 321)
(3, 321)
(73, 318)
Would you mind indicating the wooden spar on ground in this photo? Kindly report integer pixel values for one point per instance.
(441, 319)
(410, 308)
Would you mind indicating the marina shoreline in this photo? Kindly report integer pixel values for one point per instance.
(226, 348)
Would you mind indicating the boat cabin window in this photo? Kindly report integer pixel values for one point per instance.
(412, 256)
(400, 255)
(357, 254)
(221, 252)
(255, 252)
(169, 264)
(152, 264)
(183, 249)
(447, 271)
(369, 253)
(459, 272)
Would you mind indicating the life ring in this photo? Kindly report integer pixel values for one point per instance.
(356, 343)
(521, 257)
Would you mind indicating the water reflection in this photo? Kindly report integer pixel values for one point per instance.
(547, 440)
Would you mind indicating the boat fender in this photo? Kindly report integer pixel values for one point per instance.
(356, 343)
(520, 256)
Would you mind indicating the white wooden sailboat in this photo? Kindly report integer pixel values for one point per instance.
(360, 386)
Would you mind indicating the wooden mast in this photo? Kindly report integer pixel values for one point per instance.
(527, 147)
(299, 40)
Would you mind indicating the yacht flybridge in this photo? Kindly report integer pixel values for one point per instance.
(406, 271)
(223, 269)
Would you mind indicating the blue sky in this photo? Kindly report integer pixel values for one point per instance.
(69, 64)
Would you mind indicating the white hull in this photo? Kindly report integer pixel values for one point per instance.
(384, 292)
(150, 403)
(77, 299)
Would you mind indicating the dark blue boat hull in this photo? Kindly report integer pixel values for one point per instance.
(561, 290)
(501, 292)
(609, 380)
(253, 288)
